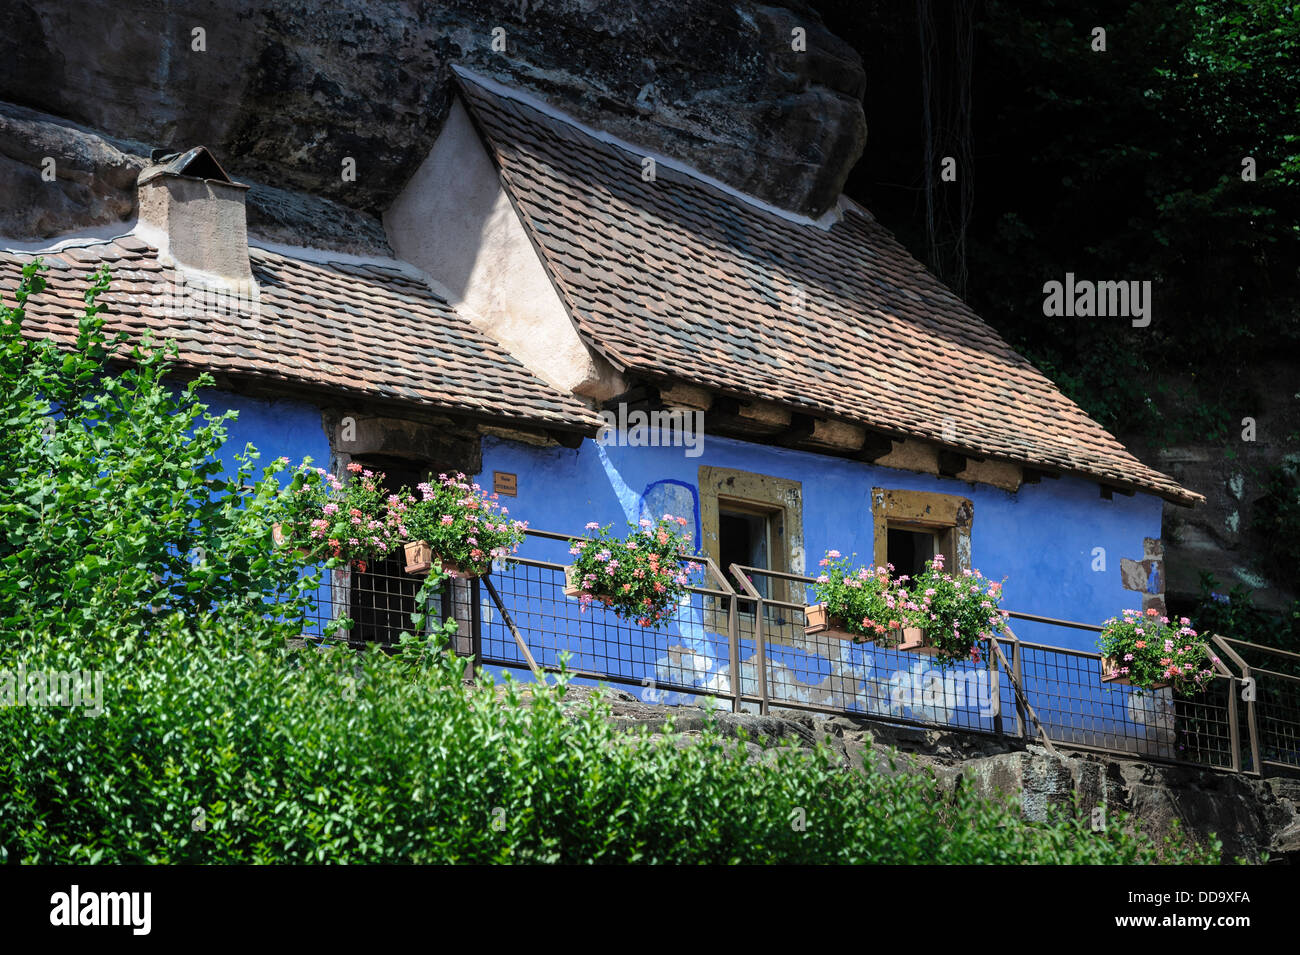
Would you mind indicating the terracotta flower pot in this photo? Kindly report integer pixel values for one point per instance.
(419, 558)
(419, 561)
(1110, 674)
(819, 621)
(282, 539)
(914, 639)
(573, 587)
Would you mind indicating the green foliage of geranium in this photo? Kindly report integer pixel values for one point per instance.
(1147, 649)
(640, 577)
(955, 612)
(461, 522)
(116, 512)
(866, 600)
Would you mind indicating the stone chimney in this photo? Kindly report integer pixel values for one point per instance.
(194, 213)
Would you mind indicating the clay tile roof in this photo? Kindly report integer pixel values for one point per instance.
(369, 330)
(679, 279)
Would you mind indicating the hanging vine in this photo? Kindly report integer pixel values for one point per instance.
(947, 57)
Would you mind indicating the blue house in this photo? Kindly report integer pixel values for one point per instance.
(599, 333)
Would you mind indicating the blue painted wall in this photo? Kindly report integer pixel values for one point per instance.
(1041, 538)
(277, 428)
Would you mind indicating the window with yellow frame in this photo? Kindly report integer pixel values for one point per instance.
(910, 527)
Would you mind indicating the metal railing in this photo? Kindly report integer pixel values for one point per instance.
(747, 649)
(1272, 700)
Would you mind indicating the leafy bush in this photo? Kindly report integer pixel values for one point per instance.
(640, 577)
(1146, 649)
(1276, 519)
(1235, 615)
(213, 748)
(461, 523)
(115, 513)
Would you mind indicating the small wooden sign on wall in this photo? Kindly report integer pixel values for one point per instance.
(503, 482)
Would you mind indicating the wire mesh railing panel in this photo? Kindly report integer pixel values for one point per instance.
(1278, 718)
(1076, 708)
(1270, 696)
(688, 655)
(1202, 725)
(378, 603)
(829, 672)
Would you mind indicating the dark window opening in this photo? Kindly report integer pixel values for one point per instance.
(908, 550)
(746, 538)
(383, 595)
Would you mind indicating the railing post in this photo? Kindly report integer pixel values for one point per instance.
(1234, 729)
(1022, 725)
(760, 646)
(995, 688)
(733, 650)
(1251, 727)
(475, 628)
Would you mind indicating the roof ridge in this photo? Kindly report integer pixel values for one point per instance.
(533, 101)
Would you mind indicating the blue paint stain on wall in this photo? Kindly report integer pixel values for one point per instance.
(676, 498)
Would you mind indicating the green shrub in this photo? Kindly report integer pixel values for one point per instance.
(1277, 519)
(115, 511)
(214, 748)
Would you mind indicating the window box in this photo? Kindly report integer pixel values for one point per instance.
(819, 621)
(1110, 667)
(419, 561)
(573, 586)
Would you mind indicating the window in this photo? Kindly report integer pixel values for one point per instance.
(911, 527)
(382, 598)
(746, 536)
(908, 550)
(755, 521)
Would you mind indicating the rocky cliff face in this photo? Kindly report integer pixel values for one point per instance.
(1252, 817)
(285, 91)
(1225, 536)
